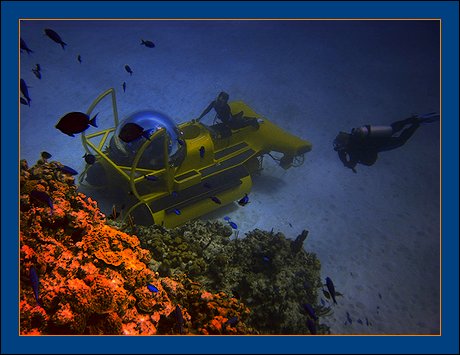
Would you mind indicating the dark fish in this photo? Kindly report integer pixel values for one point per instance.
(37, 67)
(55, 37)
(42, 198)
(180, 141)
(152, 288)
(266, 259)
(311, 312)
(131, 132)
(244, 201)
(232, 322)
(311, 326)
(151, 177)
(25, 47)
(35, 282)
(360, 321)
(367, 321)
(147, 43)
(46, 155)
(37, 73)
(179, 319)
(79, 58)
(331, 288)
(177, 211)
(207, 185)
(216, 200)
(89, 158)
(227, 218)
(124, 86)
(25, 92)
(68, 170)
(290, 225)
(75, 122)
(128, 69)
(24, 101)
(323, 302)
(202, 151)
(233, 225)
(174, 194)
(380, 296)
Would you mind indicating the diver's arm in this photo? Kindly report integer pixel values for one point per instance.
(349, 163)
(206, 111)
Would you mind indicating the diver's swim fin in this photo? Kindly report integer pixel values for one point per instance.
(428, 117)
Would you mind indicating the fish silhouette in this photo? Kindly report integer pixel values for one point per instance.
(25, 47)
(79, 58)
(75, 122)
(25, 92)
(331, 288)
(128, 69)
(124, 86)
(55, 37)
(148, 44)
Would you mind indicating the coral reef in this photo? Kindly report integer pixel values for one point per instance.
(92, 278)
(273, 275)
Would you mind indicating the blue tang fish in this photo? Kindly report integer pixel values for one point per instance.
(152, 288)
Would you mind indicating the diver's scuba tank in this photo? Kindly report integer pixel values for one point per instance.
(373, 131)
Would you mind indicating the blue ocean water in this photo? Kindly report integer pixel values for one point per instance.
(376, 231)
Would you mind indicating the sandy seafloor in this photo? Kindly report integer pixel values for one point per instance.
(377, 232)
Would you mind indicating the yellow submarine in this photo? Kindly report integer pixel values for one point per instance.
(177, 173)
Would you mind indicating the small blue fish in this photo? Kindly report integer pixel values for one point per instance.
(180, 141)
(89, 158)
(310, 310)
(180, 319)
(232, 321)
(323, 302)
(202, 151)
(244, 201)
(24, 101)
(177, 211)
(311, 326)
(35, 282)
(41, 197)
(266, 259)
(151, 177)
(216, 200)
(367, 321)
(174, 194)
(45, 155)
(380, 296)
(227, 218)
(233, 225)
(128, 69)
(68, 170)
(331, 288)
(124, 86)
(360, 321)
(79, 58)
(152, 288)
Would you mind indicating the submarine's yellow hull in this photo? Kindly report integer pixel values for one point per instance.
(214, 169)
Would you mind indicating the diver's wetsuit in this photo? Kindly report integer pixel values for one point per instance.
(365, 150)
(224, 114)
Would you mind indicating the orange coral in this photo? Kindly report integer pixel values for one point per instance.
(93, 278)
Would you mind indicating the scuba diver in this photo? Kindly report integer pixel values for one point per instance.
(224, 115)
(365, 142)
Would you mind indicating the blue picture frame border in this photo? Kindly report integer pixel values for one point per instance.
(12, 12)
